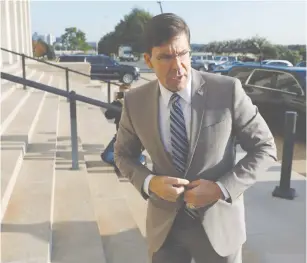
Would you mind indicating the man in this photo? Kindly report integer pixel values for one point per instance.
(189, 122)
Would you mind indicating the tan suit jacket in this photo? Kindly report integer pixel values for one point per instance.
(220, 113)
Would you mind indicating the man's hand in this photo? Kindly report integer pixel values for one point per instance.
(202, 192)
(167, 188)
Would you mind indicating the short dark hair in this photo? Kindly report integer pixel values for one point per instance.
(162, 28)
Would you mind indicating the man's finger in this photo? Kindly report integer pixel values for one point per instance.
(193, 184)
(188, 197)
(179, 190)
(176, 191)
(176, 181)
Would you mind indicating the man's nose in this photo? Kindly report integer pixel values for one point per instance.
(177, 65)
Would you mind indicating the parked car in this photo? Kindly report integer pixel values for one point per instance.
(277, 62)
(201, 57)
(224, 70)
(301, 64)
(227, 65)
(274, 89)
(199, 65)
(105, 68)
(201, 61)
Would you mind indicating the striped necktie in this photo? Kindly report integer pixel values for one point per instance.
(179, 142)
(179, 138)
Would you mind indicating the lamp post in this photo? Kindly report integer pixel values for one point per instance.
(159, 2)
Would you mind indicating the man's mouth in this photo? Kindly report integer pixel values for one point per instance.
(177, 77)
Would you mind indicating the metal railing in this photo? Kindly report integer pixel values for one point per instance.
(72, 97)
(66, 69)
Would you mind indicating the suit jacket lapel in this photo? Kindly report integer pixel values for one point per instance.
(198, 97)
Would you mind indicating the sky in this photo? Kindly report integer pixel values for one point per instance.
(281, 22)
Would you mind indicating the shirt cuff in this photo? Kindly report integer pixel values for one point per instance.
(146, 183)
(224, 190)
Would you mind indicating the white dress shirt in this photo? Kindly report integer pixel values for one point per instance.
(164, 122)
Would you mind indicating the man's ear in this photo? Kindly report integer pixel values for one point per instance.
(147, 60)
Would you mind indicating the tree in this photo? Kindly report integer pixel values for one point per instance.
(302, 52)
(108, 44)
(287, 54)
(74, 39)
(270, 52)
(129, 31)
(50, 52)
(40, 48)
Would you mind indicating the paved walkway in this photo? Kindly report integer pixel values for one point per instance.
(276, 228)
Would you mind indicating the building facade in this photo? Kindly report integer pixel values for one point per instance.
(16, 31)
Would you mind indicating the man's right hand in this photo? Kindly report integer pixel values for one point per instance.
(167, 188)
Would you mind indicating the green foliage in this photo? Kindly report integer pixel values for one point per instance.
(128, 31)
(74, 39)
(259, 46)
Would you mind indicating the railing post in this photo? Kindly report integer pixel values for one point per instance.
(23, 61)
(67, 81)
(109, 92)
(73, 130)
(284, 190)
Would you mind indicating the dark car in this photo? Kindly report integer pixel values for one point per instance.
(105, 68)
(274, 89)
(301, 64)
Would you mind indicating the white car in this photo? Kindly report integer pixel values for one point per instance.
(273, 62)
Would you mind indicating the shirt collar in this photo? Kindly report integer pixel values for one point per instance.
(185, 93)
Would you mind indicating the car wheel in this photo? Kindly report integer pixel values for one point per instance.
(127, 78)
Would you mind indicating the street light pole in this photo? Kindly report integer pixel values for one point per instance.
(159, 2)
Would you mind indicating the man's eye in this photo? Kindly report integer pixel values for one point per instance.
(166, 57)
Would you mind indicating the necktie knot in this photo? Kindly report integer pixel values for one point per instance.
(174, 98)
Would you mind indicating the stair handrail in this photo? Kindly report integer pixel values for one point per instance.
(72, 97)
(67, 70)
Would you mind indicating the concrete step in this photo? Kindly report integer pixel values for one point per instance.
(4, 82)
(122, 239)
(8, 87)
(14, 141)
(12, 103)
(75, 234)
(26, 226)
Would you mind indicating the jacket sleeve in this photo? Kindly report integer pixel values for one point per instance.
(127, 150)
(255, 138)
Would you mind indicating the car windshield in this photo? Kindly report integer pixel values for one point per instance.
(227, 63)
(301, 64)
(217, 58)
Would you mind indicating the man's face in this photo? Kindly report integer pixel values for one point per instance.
(171, 63)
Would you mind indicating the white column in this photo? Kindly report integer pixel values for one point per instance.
(19, 28)
(14, 29)
(6, 41)
(21, 24)
(25, 22)
(29, 26)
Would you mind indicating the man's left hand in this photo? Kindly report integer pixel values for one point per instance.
(201, 193)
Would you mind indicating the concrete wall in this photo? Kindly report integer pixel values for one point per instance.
(16, 32)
